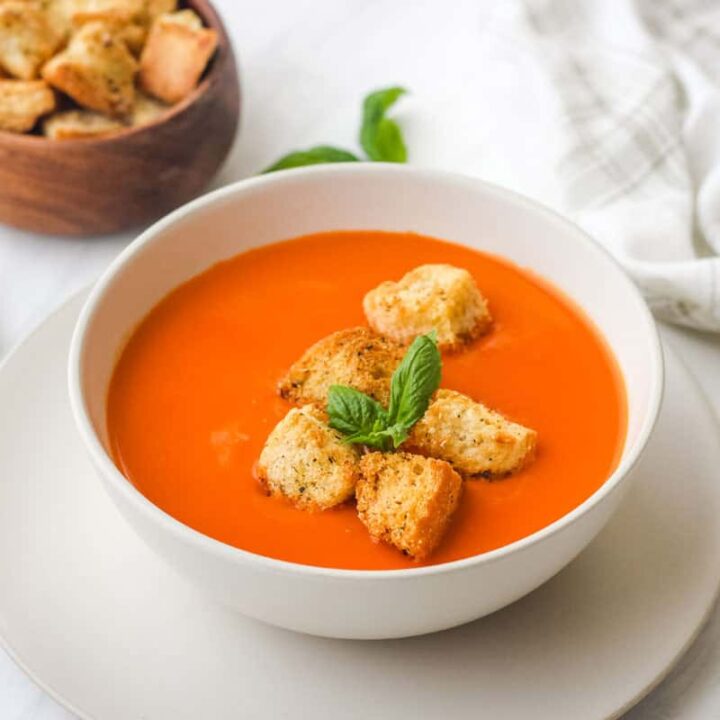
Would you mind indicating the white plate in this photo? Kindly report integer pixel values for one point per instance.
(111, 632)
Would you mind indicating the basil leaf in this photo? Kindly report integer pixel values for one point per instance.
(364, 421)
(379, 440)
(398, 434)
(381, 137)
(353, 413)
(313, 156)
(414, 381)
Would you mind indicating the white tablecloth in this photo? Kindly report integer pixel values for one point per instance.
(305, 65)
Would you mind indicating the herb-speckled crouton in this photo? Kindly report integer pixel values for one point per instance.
(27, 38)
(96, 70)
(22, 102)
(356, 357)
(407, 500)
(307, 462)
(430, 297)
(128, 19)
(75, 124)
(177, 51)
(473, 438)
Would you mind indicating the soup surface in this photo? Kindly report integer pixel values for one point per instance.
(193, 396)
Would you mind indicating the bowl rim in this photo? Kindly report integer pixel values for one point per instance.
(156, 515)
(222, 56)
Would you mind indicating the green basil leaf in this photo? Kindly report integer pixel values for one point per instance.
(380, 136)
(414, 381)
(364, 421)
(379, 440)
(313, 156)
(398, 434)
(353, 413)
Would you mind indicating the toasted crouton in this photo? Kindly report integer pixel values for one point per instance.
(430, 297)
(475, 440)
(22, 102)
(356, 357)
(134, 36)
(96, 69)
(126, 18)
(117, 11)
(27, 39)
(175, 56)
(407, 500)
(307, 462)
(76, 124)
(155, 8)
(146, 109)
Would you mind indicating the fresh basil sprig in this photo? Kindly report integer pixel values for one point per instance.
(313, 156)
(365, 421)
(360, 418)
(380, 137)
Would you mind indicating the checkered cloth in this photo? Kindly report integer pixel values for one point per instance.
(632, 91)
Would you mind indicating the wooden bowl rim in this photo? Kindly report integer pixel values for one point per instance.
(211, 18)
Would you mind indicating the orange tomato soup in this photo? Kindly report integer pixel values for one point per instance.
(193, 396)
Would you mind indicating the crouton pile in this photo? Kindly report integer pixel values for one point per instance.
(405, 498)
(88, 68)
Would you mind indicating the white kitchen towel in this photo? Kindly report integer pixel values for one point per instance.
(632, 96)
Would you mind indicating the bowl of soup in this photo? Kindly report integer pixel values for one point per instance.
(184, 352)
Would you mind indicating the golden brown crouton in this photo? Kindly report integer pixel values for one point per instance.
(430, 297)
(188, 18)
(27, 39)
(307, 462)
(75, 124)
(356, 357)
(127, 19)
(474, 439)
(134, 36)
(22, 102)
(146, 109)
(155, 8)
(177, 51)
(407, 500)
(96, 70)
(118, 11)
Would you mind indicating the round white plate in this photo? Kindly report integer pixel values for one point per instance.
(110, 631)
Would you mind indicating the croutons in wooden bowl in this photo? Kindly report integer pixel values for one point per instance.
(67, 177)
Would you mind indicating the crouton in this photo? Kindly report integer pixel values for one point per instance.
(75, 124)
(175, 56)
(155, 8)
(22, 102)
(134, 36)
(475, 440)
(114, 11)
(357, 357)
(96, 69)
(307, 462)
(146, 109)
(27, 39)
(430, 297)
(407, 500)
(127, 19)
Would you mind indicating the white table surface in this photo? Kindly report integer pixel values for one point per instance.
(305, 64)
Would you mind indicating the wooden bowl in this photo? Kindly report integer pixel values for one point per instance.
(103, 185)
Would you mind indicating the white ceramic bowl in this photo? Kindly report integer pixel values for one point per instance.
(349, 603)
